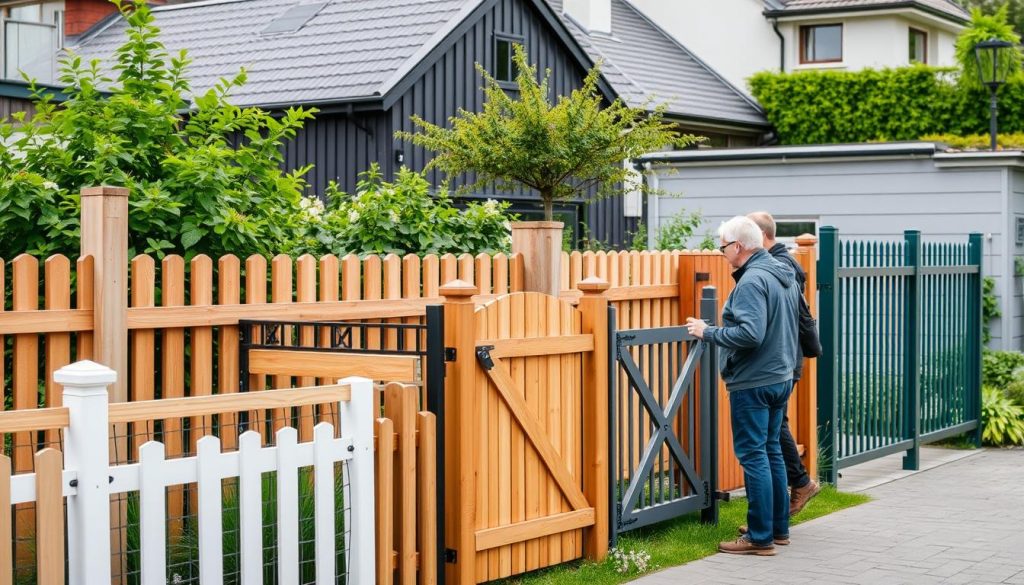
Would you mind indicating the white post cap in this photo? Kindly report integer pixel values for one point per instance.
(85, 373)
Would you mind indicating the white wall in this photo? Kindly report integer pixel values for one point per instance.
(866, 200)
(732, 36)
(735, 38)
(877, 40)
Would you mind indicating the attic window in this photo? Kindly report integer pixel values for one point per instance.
(294, 18)
(505, 70)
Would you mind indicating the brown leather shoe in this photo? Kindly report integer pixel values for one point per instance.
(743, 546)
(779, 540)
(800, 496)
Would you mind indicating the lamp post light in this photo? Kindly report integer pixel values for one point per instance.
(992, 75)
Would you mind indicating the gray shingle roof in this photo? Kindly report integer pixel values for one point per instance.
(947, 8)
(642, 61)
(351, 49)
(359, 49)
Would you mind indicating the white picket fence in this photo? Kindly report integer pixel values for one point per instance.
(89, 480)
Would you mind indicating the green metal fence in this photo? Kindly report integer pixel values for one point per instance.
(901, 337)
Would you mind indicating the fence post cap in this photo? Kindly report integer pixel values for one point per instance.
(458, 289)
(593, 285)
(104, 190)
(85, 373)
(806, 240)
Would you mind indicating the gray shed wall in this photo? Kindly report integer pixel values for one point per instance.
(866, 199)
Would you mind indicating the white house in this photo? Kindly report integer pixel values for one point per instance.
(741, 37)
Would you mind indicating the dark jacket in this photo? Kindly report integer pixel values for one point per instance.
(758, 336)
(780, 253)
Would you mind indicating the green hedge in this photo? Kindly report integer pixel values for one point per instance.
(906, 103)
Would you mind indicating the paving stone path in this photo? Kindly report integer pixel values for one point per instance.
(959, 522)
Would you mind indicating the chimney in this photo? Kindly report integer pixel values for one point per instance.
(592, 15)
(81, 15)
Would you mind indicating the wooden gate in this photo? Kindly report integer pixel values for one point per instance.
(529, 444)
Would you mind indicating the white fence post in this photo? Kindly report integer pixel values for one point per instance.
(86, 451)
(356, 417)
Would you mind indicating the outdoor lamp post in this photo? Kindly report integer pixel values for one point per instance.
(986, 54)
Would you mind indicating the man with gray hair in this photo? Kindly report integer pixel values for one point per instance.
(803, 487)
(758, 352)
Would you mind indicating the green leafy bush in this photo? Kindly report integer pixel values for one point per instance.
(192, 189)
(402, 217)
(676, 230)
(999, 368)
(989, 307)
(1002, 420)
(1014, 140)
(1015, 389)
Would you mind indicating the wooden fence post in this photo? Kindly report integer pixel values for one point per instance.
(105, 238)
(594, 309)
(460, 433)
(86, 452)
(807, 400)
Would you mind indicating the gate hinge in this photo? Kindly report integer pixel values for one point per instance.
(724, 496)
(451, 555)
(483, 355)
(707, 493)
(449, 354)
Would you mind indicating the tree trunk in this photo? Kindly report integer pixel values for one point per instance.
(549, 205)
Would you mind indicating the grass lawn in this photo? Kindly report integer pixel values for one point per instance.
(677, 542)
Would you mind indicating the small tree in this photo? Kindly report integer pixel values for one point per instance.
(562, 150)
(984, 27)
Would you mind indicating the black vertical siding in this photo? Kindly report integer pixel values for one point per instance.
(340, 146)
(453, 83)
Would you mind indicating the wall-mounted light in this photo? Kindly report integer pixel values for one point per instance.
(399, 156)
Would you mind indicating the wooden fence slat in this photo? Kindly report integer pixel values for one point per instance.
(201, 342)
(256, 294)
(281, 293)
(84, 301)
(49, 533)
(426, 479)
(172, 280)
(3, 351)
(6, 533)
(329, 291)
(384, 473)
(305, 291)
(143, 344)
(228, 293)
(392, 289)
(400, 405)
(58, 345)
(372, 268)
(25, 373)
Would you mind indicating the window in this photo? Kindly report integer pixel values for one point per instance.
(918, 46)
(505, 69)
(32, 34)
(787, 230)
(821, 43)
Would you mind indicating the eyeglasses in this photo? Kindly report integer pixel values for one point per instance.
(724, 246)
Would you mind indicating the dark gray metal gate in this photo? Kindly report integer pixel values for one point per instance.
(663, 389)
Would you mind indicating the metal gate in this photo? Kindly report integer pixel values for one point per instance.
(663, 389)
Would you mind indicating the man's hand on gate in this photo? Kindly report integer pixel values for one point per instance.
(696, 327)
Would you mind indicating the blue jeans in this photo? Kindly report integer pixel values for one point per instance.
(756, 423)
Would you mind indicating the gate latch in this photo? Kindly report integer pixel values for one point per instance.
(451, 555)
(483, 355)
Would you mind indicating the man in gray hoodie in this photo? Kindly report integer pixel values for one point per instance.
(759, 349)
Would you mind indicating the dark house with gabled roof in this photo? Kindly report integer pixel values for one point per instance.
(368, 65)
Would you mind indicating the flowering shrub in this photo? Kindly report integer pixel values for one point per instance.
(402, 217)
(630, 562)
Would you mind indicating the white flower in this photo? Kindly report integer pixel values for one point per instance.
(491, 206)
(50, 185)
(507, 225)
(353, 216)
(394, 216)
